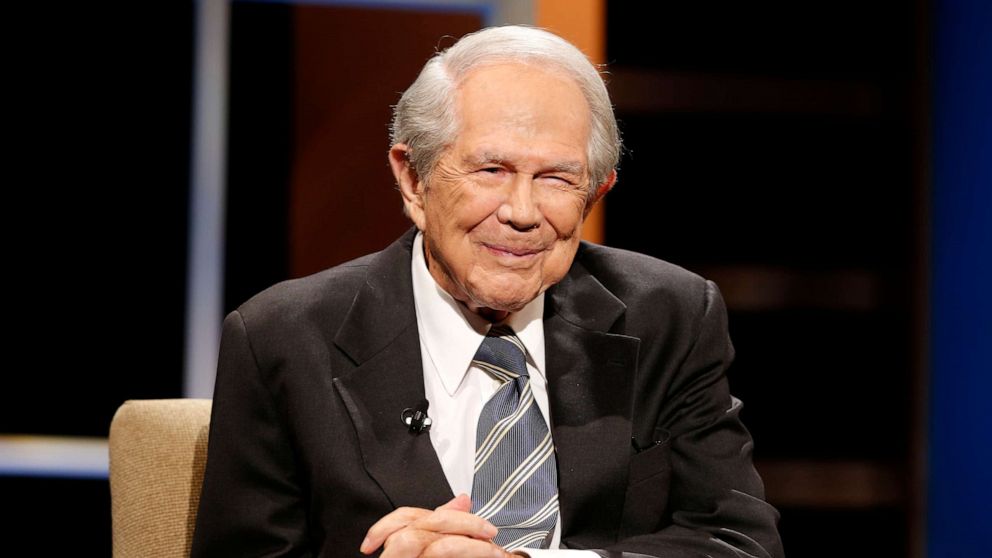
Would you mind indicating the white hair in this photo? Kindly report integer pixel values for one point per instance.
(425, 119)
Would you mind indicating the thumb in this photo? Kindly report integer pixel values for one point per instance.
(459, 503)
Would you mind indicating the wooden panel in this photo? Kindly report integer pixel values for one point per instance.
(351, 66)
(649, 91)
(841, 484)
(765, 288)
(583, 22)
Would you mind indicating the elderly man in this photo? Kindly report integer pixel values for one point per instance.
(577, 397)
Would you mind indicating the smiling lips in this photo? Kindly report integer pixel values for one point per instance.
(521, 252)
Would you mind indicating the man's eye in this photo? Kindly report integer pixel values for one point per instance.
(560, 180)
(493, 173)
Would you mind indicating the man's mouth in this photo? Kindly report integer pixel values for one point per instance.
(512, 251)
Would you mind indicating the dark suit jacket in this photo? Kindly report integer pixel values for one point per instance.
(307, 448)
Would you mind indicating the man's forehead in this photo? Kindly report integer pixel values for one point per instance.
(500, 79)
(490, 71)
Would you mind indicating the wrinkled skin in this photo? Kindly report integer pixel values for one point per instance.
(502, 215)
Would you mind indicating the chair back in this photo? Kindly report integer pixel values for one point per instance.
(158, 450)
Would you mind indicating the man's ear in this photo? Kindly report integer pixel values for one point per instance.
(601, 190)
(408, 182)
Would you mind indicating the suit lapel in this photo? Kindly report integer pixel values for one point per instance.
(380, 336)
(590, 378)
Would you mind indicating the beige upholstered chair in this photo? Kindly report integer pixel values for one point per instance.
(158, 449)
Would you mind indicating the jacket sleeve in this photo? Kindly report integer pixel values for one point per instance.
(251, 502)
(715, 504)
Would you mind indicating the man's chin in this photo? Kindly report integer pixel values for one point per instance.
(488, 306)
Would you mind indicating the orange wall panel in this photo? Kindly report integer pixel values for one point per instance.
(583, 22)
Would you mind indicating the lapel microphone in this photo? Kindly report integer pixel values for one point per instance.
(416, 418)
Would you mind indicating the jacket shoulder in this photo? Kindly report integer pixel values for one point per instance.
(633, 277)
(331, 290)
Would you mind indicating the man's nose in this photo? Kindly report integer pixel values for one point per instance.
(519, 209)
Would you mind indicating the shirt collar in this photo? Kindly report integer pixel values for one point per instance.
(452, 333)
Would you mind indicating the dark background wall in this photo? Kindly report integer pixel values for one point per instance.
(100, 124)
(99, 120)
(773, 147)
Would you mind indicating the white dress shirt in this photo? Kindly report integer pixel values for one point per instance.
(450, 334)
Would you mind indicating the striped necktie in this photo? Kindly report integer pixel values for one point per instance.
(515, 486)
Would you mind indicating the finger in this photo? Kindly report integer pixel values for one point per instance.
(402, 517)
(454, 522)
(408, 543)
(461, 547)
(461, 503)
(446, 521)
(389, 524)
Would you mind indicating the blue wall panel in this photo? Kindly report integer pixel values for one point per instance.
(960, 456)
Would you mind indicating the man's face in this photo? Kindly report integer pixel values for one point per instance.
(502, 214)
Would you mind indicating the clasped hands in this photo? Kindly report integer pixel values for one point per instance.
(450, 530)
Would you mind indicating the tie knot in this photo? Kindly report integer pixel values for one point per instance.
(502, 354)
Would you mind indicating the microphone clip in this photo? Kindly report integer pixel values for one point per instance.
(416, 418)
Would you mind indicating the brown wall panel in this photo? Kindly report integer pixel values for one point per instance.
(351, 66)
